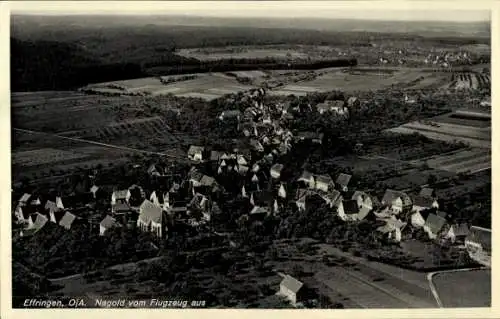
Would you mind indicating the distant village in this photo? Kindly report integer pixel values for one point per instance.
(194, 198)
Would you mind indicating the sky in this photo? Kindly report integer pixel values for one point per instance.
(457, 10)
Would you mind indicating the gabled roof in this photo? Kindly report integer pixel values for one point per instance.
(423, 201)
(426, 192)
(40, 221)
(67, 220)
(291, 284)
(480, 236)
(149, 212)
(305, 176)
(343, 179)
(435, 223)
(363, 212)
(391, 195)
(120, 207)
(259, 210)
(460, 229)
(195, 149)
(350, 207)
(50, 206)
(325, 179)
(109, 222)
(121, 194)
(25, 198)
(331, 196)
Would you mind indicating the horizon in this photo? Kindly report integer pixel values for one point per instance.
(416, 11)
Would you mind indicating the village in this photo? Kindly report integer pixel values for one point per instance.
(263, 180)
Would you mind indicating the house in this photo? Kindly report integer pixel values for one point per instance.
(199, 201)
(230, 114)
(120, 208)
(59, 202)
(155, 199)
(195, 153)
(282, 191)
(107, 223)
(348, 210)
(23, 201)
(292, 289)
(35, 201)
(155, 170)
(457, 232)
(241, 159)
(433, 225)
(194, 177)
(353, 102)
(67, 220)
(427, 192)
(478, 245)
(420, 203)
(39, 221)
(120, 196)
(24, 213)
(397, 201)
(323, 183)
(256, 145)
(392, 229)
(307, 178)
(50, 206)
(261, 198)
(418, 218)
(332, 198)
(366, 200)
(151, 219)
(94, 189)
(276, 171)
(343, 182)
(259, 212)
(300, 198)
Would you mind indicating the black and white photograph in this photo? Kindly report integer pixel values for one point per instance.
(250, 155)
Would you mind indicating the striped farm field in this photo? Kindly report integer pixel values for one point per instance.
(44, 156)
(469, 160)
(453, 130)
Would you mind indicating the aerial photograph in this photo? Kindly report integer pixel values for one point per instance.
(250, 156)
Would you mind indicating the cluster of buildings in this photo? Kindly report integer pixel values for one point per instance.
(262, 180)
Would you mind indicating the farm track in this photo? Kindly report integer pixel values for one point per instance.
(125, 148)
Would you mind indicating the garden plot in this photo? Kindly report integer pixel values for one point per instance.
(44, 156)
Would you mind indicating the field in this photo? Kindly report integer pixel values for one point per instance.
(57, 132)
(472, 129)
(207, 86)
(364, 79)
(213, 54)
(464, 288)
(462, 161)
(468, 81)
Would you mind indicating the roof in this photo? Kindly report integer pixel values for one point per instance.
(160, 199)
(435, 223)
(197, 199)
(50, 205)
(391, 195)
(426, 192)
(460, 229)
(121, 194)
(350, 206)
(363, 212)
(351, 100)
(343, 179)
(301, 194)
(259, 210)
(325, 179)
(120, 207)
(305, 176)
(291, 284)
(25, 197)
(195, 149)
(149, 212)
(109, 222)
(277, 167)
(94, 188)
(67, 220)
(207, 180)
(331, 196)
(423, 201)
(40, 221)
(195, 175)
(481, 236)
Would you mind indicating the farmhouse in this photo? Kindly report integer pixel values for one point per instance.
(420, 203)
(292, 289)
(397, 201)
(457, 233)
(24, 199)
(433, 225)
(300, 198)
(23, 213)
(67, 220)
(38, 223)
(276, 171)
(332, 198)
(230, 114)
(323, 183)
(107, 223)
(478, 245)
(343, 181)
(120, 208)
(151, 219)
(392, 229)
(120, 196)
(418, 218)
(195, 153)
(307, 179)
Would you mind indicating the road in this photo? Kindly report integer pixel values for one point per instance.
(125, 148)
